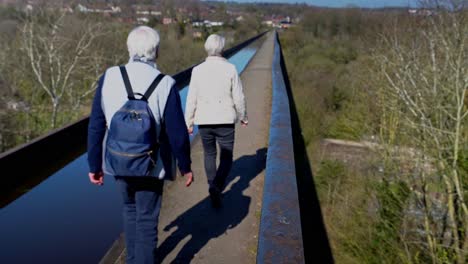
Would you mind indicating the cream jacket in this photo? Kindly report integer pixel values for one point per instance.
(215, 94)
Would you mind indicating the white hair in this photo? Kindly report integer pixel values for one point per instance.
(143, 42)
(214, 45)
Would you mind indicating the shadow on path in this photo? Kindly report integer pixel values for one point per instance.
(202, 223)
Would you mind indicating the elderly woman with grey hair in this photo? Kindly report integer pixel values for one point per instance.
(141, 194)
(215, 102)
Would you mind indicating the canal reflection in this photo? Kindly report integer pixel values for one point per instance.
(65, 219)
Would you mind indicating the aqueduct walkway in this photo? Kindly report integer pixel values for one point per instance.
(270, 210)
(189, 229)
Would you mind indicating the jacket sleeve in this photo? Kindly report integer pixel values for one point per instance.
(177, 131)
(238, 96)
(191, 102)
(96, 131)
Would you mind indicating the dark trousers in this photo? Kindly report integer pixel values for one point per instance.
(224, 136)
(141, 206)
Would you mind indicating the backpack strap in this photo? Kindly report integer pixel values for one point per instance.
(128, 86)
(153, 86)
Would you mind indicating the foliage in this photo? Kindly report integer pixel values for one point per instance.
(326, 88)
(424, 80)
(400, 81)
(50, 62)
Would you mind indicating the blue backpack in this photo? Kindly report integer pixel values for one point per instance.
(132, 143)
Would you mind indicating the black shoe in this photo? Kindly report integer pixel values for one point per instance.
(215, 196)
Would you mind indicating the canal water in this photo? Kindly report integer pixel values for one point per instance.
(66, 219)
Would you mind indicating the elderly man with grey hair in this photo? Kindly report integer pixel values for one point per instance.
(215, 102)
(141, 194)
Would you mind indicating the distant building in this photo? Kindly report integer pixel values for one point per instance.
(142, 20)
(67, 9)
(207, 23)
(167, 21)
(151, 13)
(420, 12)
(285, 24)
(28, 8)
(216, 24)
(198, 23)
(81, 8)
(116, 9)
(182, 10)
(197, 34)
(99, 8)
(278, 22)
(147, 10)
(17, 106)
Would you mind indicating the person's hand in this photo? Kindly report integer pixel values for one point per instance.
(189, 180)
(190, 130)
(244, 123)
(96, 178)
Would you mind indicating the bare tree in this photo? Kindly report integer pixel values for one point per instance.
(56, 52)
(425, 85)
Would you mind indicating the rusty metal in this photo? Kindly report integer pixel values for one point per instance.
(292, 228)
(317, 247)
(280, 235)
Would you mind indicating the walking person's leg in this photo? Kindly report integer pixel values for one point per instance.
(129, 217)
(148, 205)
(209, 152)
(225, 138)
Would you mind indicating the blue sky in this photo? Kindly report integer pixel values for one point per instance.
(340, 3)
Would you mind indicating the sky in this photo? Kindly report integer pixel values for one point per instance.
(340, 3)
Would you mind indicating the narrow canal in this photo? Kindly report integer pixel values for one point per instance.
(66, 219)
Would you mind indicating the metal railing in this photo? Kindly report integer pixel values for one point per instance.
(291, 225)
(280, 236)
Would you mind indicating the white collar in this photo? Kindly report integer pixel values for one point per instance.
(215, 58)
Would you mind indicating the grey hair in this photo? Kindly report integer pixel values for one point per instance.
(143, 42)
(214, 45)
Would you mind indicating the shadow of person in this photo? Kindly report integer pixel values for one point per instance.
(202, 223)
